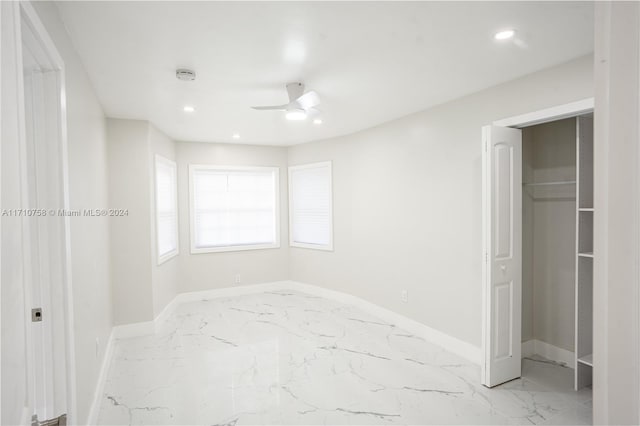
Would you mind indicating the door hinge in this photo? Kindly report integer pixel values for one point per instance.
(36, 314)
(61, 420)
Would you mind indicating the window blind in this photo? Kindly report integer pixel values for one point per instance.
(166, 208)
(311, 205)
(234, 207)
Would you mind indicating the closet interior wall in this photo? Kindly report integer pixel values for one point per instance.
(549, 234)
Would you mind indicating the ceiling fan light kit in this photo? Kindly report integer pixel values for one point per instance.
(296, 114)
(300, 106)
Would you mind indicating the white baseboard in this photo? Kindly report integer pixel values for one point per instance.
(166, 313)
(551, 352)
(134, 330)
(147, 328)
(528, 348)
(461, 348)
(217, 293)
(25, 417)
(450, 343)
(94, 410)
(231, 291)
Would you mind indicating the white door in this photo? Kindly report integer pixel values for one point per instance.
(38, 354)
(502, 263)
(46, 230)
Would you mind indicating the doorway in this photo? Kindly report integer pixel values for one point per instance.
(512, 189)
(45, 222)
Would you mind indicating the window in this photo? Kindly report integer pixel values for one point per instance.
(166, 209)
(233, 208)
(310, 206)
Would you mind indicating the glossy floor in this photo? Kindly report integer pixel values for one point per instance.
(291, 358)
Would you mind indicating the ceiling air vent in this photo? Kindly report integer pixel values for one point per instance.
(185, 74)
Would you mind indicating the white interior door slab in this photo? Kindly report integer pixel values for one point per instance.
(46, 236)
(502, 263)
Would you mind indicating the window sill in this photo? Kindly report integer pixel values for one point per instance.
(327, 247)
(199, 250)
(167, 256)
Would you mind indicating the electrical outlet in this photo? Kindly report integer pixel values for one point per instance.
(236, 279)
(404, 296)
(97, 347)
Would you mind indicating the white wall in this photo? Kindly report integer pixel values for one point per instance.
(527, 238)
(164, 277)
(549, 220)
(141, 287)
(129, 188)
(87, 155)
(616, 355)
(214, 270)
(407, 202)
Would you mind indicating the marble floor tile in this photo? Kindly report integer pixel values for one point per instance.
(291, 358)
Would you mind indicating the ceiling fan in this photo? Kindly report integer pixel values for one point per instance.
(301, 105)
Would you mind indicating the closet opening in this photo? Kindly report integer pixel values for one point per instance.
(557, 253)
(538, 253)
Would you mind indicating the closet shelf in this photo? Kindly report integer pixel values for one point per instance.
(583, 374)
(586, 360)
(564, 182)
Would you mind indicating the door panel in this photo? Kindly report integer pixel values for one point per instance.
(502, 197)
(502, 263)
(503, 307)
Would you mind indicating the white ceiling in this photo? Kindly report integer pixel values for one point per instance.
(369, 62)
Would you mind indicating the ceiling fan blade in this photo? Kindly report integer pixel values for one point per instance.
(294, 90)
(272, 107)
(308, 100)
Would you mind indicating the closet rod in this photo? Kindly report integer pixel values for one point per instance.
(566, 182)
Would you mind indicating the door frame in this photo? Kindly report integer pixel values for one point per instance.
(546, 115)
(64, 333)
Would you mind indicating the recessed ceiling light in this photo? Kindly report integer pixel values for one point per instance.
(296, 114)
(188, 108)
(317, 121)
(504, 35)
(295, 52)
(236, 136)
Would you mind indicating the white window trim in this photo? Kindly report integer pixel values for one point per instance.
(198, 250)
(292, 243)
(166, 256)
